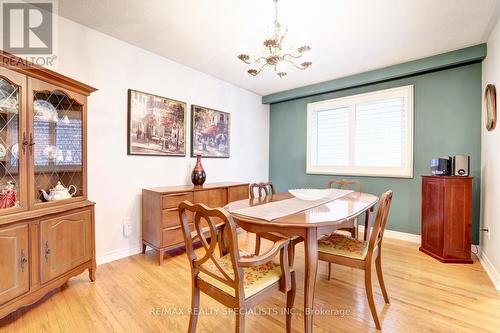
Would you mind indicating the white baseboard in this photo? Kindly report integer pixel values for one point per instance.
(118, 254)
(490, 269)
(493, 274)
(397, 235)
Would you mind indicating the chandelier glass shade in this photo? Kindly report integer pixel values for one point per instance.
(278, 55)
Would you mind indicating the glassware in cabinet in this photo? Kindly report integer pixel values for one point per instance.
(57, 146)
(12, 150)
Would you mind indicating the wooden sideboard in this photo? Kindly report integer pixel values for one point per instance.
(447, 218)
(43, 136)
(161, 229)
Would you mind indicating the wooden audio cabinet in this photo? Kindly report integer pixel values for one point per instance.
(447, 218)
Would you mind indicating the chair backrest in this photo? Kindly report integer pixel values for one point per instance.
(380, 222)
(347, 184)
(218, 225)
(263, 189)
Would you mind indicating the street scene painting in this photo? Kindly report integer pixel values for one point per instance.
(156, 126)
(209, 132)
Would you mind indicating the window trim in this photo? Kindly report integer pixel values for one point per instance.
(351, 101)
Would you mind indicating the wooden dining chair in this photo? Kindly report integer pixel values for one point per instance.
(348, 251)
(265, 189)
(237, 280)
(346, 184)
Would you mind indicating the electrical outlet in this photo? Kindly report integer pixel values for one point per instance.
(487, 230)
(127, 228)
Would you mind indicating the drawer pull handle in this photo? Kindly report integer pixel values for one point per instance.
(23, 260)
(47, 251)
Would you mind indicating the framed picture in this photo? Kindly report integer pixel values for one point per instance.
(209, 132)
(156, 125)
(490, 107)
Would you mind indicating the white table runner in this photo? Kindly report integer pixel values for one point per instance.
(274, 210)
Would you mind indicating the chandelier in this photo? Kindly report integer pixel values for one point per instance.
(278, 56)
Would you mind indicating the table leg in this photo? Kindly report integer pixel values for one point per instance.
(367, 223)
(310, 270)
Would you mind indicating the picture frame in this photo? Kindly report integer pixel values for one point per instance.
(490, 107)
(210, 132)
(156, 125)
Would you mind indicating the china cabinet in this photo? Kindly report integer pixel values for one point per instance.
(46, 222)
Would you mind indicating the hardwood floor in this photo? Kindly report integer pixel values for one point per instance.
(136, 295)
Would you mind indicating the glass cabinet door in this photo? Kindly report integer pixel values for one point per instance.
(11, 150)
(56, 144)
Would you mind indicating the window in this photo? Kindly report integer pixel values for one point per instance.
(362, 135)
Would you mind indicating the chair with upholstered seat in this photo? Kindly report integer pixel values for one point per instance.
(348, 251)
(265, 189)
(237, 280)
(354, 185)
(352, 224)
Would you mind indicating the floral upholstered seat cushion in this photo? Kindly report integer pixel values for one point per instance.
(342, 245)
(255, 278)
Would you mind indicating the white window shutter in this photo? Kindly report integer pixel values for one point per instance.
(380, 133)
(332, 137)
(362, 135)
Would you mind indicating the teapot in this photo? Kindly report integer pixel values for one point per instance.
(59, 192)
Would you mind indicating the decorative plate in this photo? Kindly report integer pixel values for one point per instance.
(14, 150)
(45, 111)
(490, 103)
(310, 194)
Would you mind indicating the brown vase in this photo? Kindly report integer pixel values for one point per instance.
(198, 175)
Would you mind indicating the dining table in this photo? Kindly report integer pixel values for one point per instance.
(308, 224)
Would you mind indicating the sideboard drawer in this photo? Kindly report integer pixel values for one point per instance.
(236, 193)
(173, 236)
(213, 198)
(170, 217)
(173, 200)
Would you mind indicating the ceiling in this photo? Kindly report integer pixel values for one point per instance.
(346, 36)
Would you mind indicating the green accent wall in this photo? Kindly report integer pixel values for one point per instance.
(447, 121)
(454, 58)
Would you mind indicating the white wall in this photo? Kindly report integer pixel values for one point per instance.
(115, 179)
(490, 173)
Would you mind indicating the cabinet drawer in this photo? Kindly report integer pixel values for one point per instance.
(65, 243)
(173, 200)
(212, 198)
(173, 236)
(14, 262)
(236, 193)
(170, 217)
